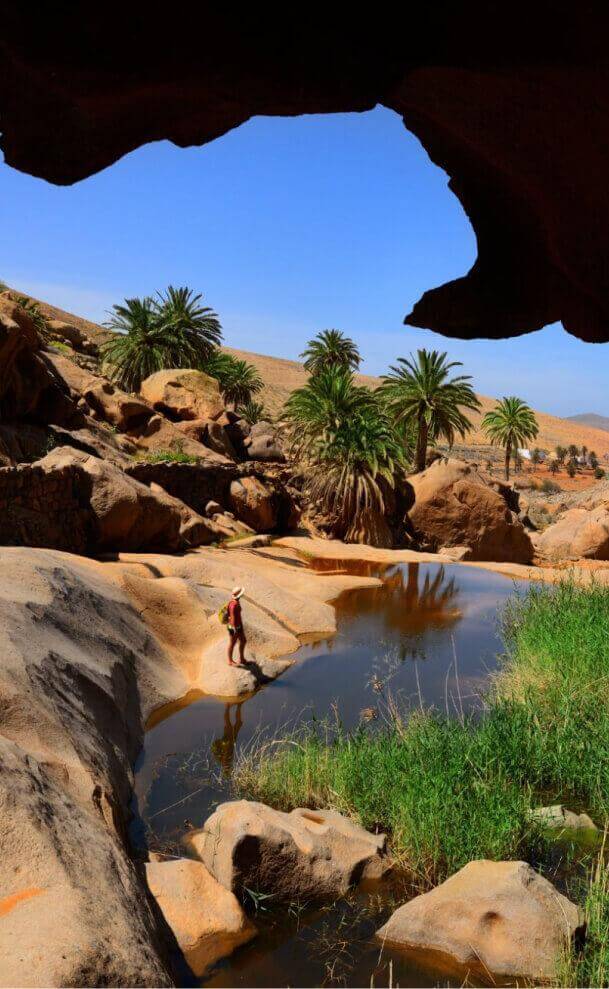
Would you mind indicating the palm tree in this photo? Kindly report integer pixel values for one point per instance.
(172, 331)
(554, 466)
(510, 424)
(421, 392)
(348, 449)
(573, 451)
(253, 412)
(561, 453)
(181, 311)
(238, 380)
(331, 348)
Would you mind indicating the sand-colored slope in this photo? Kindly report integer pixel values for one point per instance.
(282, 376)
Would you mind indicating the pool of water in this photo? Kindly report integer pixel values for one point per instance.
(429, 636)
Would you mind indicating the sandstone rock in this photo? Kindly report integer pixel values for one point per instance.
(253, 504)
(183, 394)
(68, 332)
(206, 919)
(160, 434)
(454, 507)
(263, 443)
(106, 401)
(501, 918)
(302, 855)
(29, 387)
(559, 817)
(578, 534)
(125, 514)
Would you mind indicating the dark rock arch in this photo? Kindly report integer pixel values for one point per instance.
(511, 99)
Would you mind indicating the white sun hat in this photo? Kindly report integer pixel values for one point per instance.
(237, 591)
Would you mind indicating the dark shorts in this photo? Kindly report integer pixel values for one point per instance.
(237, 633)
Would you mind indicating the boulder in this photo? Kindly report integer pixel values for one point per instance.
(454, 507)
(123, 514)
(253, 504)
(263, 443)
(183, 394)
(560, 818)
(61, 330)
(306, 855)
(578, 534)
(206, 919)
(160, 434)
(104, 399)
(210, 433)
(497, 918)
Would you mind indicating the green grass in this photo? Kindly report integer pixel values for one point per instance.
(448, 791)
(168, 457)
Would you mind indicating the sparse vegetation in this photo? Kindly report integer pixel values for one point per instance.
(176, 456)
(550, 487)
(599, 473)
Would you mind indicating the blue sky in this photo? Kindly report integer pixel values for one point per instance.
(288, 226)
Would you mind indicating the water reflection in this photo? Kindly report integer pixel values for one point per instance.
(223, 749)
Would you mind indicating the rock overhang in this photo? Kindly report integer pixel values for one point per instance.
(511, 102)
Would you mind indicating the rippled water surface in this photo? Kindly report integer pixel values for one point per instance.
(428, 636)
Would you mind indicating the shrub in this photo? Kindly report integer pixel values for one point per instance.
(599, 473)
(550, 487)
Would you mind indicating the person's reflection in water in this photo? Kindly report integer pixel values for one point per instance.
(223, 749)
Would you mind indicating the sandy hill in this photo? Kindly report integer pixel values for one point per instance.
(591, 419)
(282, 376)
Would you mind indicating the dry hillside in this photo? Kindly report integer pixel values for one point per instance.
(283, 376)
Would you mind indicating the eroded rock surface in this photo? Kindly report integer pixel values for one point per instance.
(304, 855)
(579, 534)
(501, 918)
(183, 394)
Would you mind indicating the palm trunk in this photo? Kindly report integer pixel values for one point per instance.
(508, 454)
(421, 455)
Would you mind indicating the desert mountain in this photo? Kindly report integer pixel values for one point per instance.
(591, 419)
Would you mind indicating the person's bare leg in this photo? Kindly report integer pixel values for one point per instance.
(231, 649)
(242, 644)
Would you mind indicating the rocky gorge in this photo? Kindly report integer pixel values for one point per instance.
(124, 525)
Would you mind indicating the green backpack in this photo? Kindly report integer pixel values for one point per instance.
(223, 614)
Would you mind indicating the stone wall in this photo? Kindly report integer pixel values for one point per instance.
(194, 484)
(44, 509)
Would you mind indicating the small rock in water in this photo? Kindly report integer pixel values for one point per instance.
(498, 918)
(304, 855)
(558, 816)
(207, 920)
(368, 714)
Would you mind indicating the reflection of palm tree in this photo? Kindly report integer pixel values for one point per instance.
(224, 748)
(404, 605)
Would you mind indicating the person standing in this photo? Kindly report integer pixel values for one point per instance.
(236, 633)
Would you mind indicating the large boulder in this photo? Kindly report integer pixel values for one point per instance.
(263, 443)
(183, 394)
(105, 400)
(491, 918)
(578, 535)
(160, 434)
(453, 506)
(122, 513)
(253, 504)
(307, 855)
(207, 920)
(60, 330)
(209, 432)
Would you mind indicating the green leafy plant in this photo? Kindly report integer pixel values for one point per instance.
(331, 349)
(348, 450)
(238, 379)
(511, 424)
(172, 330)
(572, 467)
(599, 473)
(35, 313)
(175, 456)
(253, 412)
(550, 487)
(420, 391)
